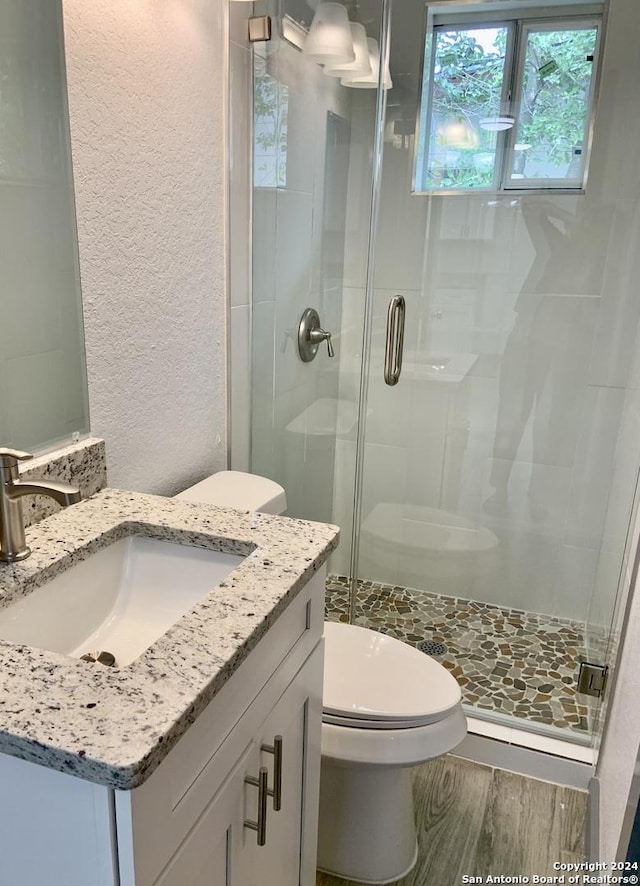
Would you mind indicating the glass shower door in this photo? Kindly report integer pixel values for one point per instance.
(312, 169)
(486, 529)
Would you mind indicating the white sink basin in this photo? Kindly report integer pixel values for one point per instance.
(120, 599)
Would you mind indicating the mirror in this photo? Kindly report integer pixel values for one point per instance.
(43, 387)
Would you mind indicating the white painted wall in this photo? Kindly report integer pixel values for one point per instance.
(622, 737)
(147, 89)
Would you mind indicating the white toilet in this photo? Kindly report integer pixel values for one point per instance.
(236, 489)
(386, 708)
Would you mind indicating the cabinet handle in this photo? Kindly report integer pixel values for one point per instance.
(276, 750)
(261, 824)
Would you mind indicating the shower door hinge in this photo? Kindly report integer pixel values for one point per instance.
(592, 679)
(259, 28)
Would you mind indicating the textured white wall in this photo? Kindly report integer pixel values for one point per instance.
(146, 83)
(617, 757)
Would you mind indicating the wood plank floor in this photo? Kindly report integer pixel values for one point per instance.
(476, 820)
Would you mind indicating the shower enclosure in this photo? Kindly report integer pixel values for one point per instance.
(484, 189)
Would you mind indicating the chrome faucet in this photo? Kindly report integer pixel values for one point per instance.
(12, 489)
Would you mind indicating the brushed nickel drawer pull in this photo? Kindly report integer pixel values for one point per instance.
(276, 750)
(260, 826)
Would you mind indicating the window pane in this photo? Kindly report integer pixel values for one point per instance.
(553, 108)
(466, 92)
(270, 114)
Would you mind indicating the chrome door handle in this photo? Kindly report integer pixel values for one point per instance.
(260, 826)
(395, 340)
(276, 750)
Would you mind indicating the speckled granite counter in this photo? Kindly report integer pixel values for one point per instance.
(114, 726)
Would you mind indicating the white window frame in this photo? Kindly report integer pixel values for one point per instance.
(519, 22)
(524, 28)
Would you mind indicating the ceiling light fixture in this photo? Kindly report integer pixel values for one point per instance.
(361, 66)
(370, 81)
(497, 123)
(329, 40)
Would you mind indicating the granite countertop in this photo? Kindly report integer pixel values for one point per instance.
(114, 726)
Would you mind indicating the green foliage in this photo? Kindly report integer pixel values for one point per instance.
(270, 114)
(555, 92)
(467, 87)
(469, 80)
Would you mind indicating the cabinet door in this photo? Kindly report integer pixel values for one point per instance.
(209, 855)
(289, 855)
(215, 848)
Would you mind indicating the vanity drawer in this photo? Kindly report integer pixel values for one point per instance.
(154, 819)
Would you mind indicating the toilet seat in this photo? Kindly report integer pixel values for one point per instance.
(367, 723)
(373, 681)
(373, 748)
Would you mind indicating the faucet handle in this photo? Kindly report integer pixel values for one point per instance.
(9, 458)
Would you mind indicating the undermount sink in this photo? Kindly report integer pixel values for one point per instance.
(120, 599)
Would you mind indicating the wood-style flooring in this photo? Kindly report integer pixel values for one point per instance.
(476, 820)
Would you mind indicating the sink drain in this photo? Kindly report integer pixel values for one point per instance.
(431, 647)
(100, 657)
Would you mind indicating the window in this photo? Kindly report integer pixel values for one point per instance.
(506, 103)
(270, 116)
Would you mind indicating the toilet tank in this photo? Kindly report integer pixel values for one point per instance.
(237, 489)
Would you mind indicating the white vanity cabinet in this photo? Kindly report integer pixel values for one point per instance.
(220, 850)
(185, 825)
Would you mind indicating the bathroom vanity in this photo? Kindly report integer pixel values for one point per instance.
(198, 762)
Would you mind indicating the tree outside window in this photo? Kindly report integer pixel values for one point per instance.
(506, 105)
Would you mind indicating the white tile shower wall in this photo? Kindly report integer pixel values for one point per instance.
(298, 237)
(363, 104)
(540, 291)
(350, 359)
(239, 366)
(147, 85)
(239, 248)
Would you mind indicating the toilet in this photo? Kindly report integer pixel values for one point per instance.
(437, 548)
(386, 708)
(237, 489)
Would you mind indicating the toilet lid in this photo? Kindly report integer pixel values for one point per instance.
(375, 678)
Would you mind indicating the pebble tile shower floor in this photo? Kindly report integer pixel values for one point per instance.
(505, 660)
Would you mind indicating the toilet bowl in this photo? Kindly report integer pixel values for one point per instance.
(386, 708)
(437, 548)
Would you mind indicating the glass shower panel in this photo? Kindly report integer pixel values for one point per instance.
(487, 531)
(311, 201)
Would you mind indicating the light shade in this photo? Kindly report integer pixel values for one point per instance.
(370, 81)
(497, 123)
(329, 41)
(361, 67)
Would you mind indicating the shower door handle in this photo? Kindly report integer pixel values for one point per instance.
(395, 340)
